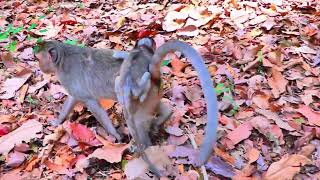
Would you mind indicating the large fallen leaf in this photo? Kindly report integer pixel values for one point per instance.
(10, 86)
(277, 82)
(157, 155)
(253, 155)
(271, 131)
(111, 152)
(83, 134)
(287, 167)
(274, 116)
(15, 159)
(24, 133)
(313, 117)
(218, 166)
(240, 133)
(306, 49)
(174, 20)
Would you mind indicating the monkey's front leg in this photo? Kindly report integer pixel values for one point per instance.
(102, 117)
(67, 107)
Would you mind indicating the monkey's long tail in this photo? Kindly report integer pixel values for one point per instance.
(206, 83)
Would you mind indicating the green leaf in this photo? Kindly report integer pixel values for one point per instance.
(74, 42)
(36, 48)
(260, 56)
(43, 30)
(299, 120)
(81, 5)
(4, 36)
(16, 30)
(165, 62)
(32, 26)
(42, 16)
(50, 9)
(71, 42)
(32, 101)
(13, 46)
(219, 88)
(29, 37)
(123, 163)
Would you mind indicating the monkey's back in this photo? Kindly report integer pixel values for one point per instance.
(89, 73)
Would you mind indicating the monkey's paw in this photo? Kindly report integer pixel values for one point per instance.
(54, 122)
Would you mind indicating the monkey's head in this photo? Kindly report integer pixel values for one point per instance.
(48, 56)
(146, 42)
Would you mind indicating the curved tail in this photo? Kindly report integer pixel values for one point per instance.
(206, 83)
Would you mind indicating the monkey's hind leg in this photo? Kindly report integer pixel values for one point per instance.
(67, 107)
(164, 113)
(102, 117)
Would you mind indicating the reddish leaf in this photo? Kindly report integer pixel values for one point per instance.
(82, 133)
(313, 117)
(240, 133)
(4, 130)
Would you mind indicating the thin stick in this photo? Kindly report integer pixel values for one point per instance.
(195, 146)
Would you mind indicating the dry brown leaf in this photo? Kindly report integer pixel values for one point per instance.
(111, 153)
(189, 30)
(55, 136)
(253, 155)
(120, 22)
(10, 86)
(22, 93)
(258, 19)
(174, 20)
(157, 155)
(306, 50)
(7, 59)
(307, 150)
(274, 116)
(287, 167)
(313, 117)
(25, 133)
(34, 88)
(240, 133)
(9, 118)
(277, 82)
(177, 64)
(261, 100)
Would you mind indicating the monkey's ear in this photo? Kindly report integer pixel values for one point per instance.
(53, 54)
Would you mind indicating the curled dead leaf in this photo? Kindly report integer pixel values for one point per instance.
(287, 167)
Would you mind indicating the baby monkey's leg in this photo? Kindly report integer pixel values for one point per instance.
(66, 109)
(102, 117)
(143, 88)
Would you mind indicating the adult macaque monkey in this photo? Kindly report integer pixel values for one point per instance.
(88, 74)
(141, 93)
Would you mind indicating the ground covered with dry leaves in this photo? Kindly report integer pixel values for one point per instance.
(262, 55)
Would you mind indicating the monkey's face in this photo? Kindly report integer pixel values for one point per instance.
(45, 62)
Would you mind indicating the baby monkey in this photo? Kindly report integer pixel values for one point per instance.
(140, 92)
(88, 74)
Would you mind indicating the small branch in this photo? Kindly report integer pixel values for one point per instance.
(195, 146)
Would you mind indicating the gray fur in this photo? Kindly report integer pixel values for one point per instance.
(87, 74)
